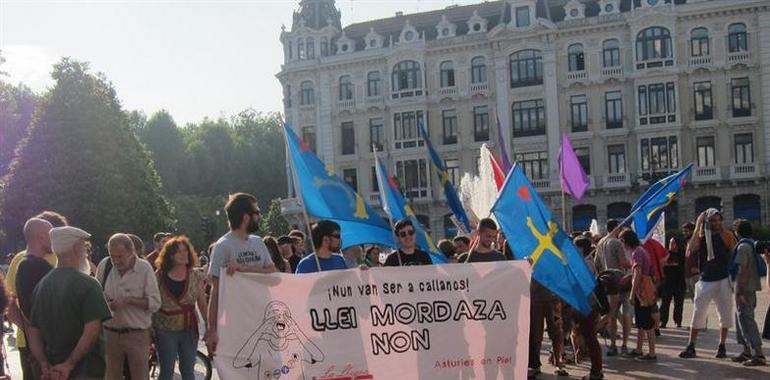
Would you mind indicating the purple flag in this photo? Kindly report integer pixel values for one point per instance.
(574, 180)
(504, 161)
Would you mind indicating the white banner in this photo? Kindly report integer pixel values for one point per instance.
(455, 321)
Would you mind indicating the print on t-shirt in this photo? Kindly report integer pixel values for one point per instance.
(278, 347)
(248, 257)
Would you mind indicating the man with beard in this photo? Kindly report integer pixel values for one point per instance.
(68, 309)
(487, 232)
(326, 241)
(132, 293)
(34, 265)
(408, 254)
(239, 250)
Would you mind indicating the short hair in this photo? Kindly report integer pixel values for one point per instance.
(584, 244)
(403, 223)
(463, 239)
(322, 229)
(237, 206)
(612, 224)
(53, 217)
(120, 239)
(371, 248)
(297, 234)
(446, 247)
(160, 236)
(165, 260)
(629, 237)
(487, 224)
(138, 244)
(689, 226)
(285, 240)
(743, 228)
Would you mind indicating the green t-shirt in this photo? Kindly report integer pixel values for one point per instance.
(62, 303)
(746, 254)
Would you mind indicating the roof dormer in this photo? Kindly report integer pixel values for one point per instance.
(373, 40)
(651, 3)
(574, 10)
(522, 13)
(477, 24)
(345, 45)
(609, 7)
(408, 34)
(445, 29)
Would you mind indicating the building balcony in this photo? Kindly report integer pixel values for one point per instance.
(615, 72)
(577, 76)
(346, 105)
(448, 91)
(541, 184)
(374, 199)
(373, 100)
(742, 171)
(655, 63)
(706, 174)
(478, 88)
(410, 93)
(739, 57)
(616, 180)
(702, 61)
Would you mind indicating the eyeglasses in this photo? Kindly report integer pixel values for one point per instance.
(406, 233)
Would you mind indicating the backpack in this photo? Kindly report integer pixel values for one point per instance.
(758, 262)
(610, 281)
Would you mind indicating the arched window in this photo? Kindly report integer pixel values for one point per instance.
(346, 88)
(526, 68)
(582, 215)
(324, 46)
(611, 53)
(310, 48)
(699, 42)
(618, 210)
(653, 43)
(737, 38)
(300, 48)
(577, 60)
(447, 72)
(703, 203)
(373, 84)
(306, 92)
(747, 206)
(406, 76)
(290, 48)
(478, 70)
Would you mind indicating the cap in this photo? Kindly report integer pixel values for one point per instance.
(63, 238)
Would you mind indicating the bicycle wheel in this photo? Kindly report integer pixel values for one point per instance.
(202, 368)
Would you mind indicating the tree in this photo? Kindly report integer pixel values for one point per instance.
(17, 105)
(274, 223)
(82, 159)
(164, 140)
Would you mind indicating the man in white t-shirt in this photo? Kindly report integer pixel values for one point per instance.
(237, 251)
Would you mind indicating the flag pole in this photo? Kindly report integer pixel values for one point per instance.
(381, 182)
(564, 209)
(298, 193)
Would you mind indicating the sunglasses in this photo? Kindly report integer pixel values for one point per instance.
(406, 233)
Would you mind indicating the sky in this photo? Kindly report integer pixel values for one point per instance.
(193, 58)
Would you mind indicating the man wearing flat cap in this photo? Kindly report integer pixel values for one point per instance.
(68, 309)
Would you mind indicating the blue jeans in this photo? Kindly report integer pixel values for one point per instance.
(747, 331)
(173, 344)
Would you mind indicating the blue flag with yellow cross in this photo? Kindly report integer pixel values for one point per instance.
(647, 210)
(326, 196)
(533, 234)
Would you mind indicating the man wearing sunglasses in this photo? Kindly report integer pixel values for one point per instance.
(326, 241)
(408, 254)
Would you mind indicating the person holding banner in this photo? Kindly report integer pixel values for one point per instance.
(408, 254)
(713, 246)
(484, 252)
(236, 251)
(326, 240)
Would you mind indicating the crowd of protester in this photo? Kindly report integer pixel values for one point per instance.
(62, 303)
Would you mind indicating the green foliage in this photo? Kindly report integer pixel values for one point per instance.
(164, 141)
(273, 223)
(82, 159)
(17, 105)
(191, 211)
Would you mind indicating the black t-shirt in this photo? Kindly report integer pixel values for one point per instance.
(714, 270)
(174, 287)
(293, 262)
(417, 258)
(31, 270)
(477, 257)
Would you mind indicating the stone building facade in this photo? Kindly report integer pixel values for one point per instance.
(642, 88)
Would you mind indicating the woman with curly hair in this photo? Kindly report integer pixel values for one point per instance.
(176, 323)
